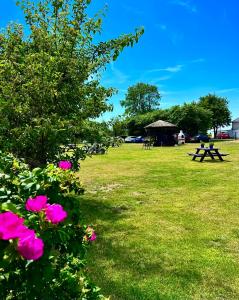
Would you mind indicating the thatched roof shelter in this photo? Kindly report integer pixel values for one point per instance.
(163, 133)
(161, 124)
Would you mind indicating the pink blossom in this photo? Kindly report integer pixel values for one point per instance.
(55, 213)
(10, 226)
(36, 204)
(65, 164)
(30, 247)
(25, 232)
(91, 235)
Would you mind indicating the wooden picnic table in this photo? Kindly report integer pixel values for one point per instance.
(207, 152)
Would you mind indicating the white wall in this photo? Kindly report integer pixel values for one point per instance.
(234, 133)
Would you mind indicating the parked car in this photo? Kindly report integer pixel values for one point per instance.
(139, 139)
(200, 137)
(130, 139)
(223, 135)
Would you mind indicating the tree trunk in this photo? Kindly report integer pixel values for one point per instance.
(215, 131)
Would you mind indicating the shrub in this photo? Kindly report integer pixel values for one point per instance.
(42, 242)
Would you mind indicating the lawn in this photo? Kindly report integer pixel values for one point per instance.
(168, 227)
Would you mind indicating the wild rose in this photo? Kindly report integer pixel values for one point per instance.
(26, 232)
(55, 213)
(65, 164)
(30, 247)
(10, 226)
(91, 235)
(36, 204)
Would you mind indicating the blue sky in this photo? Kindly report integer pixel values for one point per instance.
(190, 48)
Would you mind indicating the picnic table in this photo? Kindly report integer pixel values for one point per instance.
(207, 152)
(147, 144)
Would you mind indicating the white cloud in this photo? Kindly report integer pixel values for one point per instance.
(186, 4)
(162, 78)
(114, 76)
(119, 75)
(225, 91)
(173, 69)
(157, 80)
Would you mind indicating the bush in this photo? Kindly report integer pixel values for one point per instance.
(45, 200)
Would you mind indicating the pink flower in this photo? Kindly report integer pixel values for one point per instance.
(36, 204)
(91, 235)
(55, 213)
(26, 232)
(30, 247)
(65, 164)
(10, 226)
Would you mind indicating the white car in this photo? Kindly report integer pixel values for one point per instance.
(130, 139)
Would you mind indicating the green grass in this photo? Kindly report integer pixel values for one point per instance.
(168, 227)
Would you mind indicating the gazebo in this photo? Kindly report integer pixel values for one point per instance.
(164, 133)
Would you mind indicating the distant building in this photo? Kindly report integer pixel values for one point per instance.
(235, 124)
(234, 132)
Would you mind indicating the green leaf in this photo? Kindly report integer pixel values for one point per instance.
(9, 206)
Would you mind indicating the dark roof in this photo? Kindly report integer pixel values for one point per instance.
(236, 120)
(161, 124)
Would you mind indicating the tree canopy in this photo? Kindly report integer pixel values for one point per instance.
(135, 124)
(190, 117)
(141, 98)
(218, 106)
(50, 77)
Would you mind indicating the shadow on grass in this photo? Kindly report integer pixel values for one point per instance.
(213, 161)
(93, 210)
(129, 259)
(136, 277)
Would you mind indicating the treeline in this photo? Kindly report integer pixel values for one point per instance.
(209, 112)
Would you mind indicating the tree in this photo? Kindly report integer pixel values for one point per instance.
(50, 77)
(141, 98)
(190, 117)
(221, 115)
(136, 124)
(119, 126)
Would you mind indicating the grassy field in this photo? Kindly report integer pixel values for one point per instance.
(168, 227)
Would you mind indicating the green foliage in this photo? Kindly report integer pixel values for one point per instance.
(19, 182)
(218, 106)
(141, 98)
(119, 126)
(136, 124)
(94, 132)
(73, 153)
(61, 272)
(50, 78)
(190, 117)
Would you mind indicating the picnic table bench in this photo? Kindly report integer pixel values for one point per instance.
(147, 144)
(208, 152)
